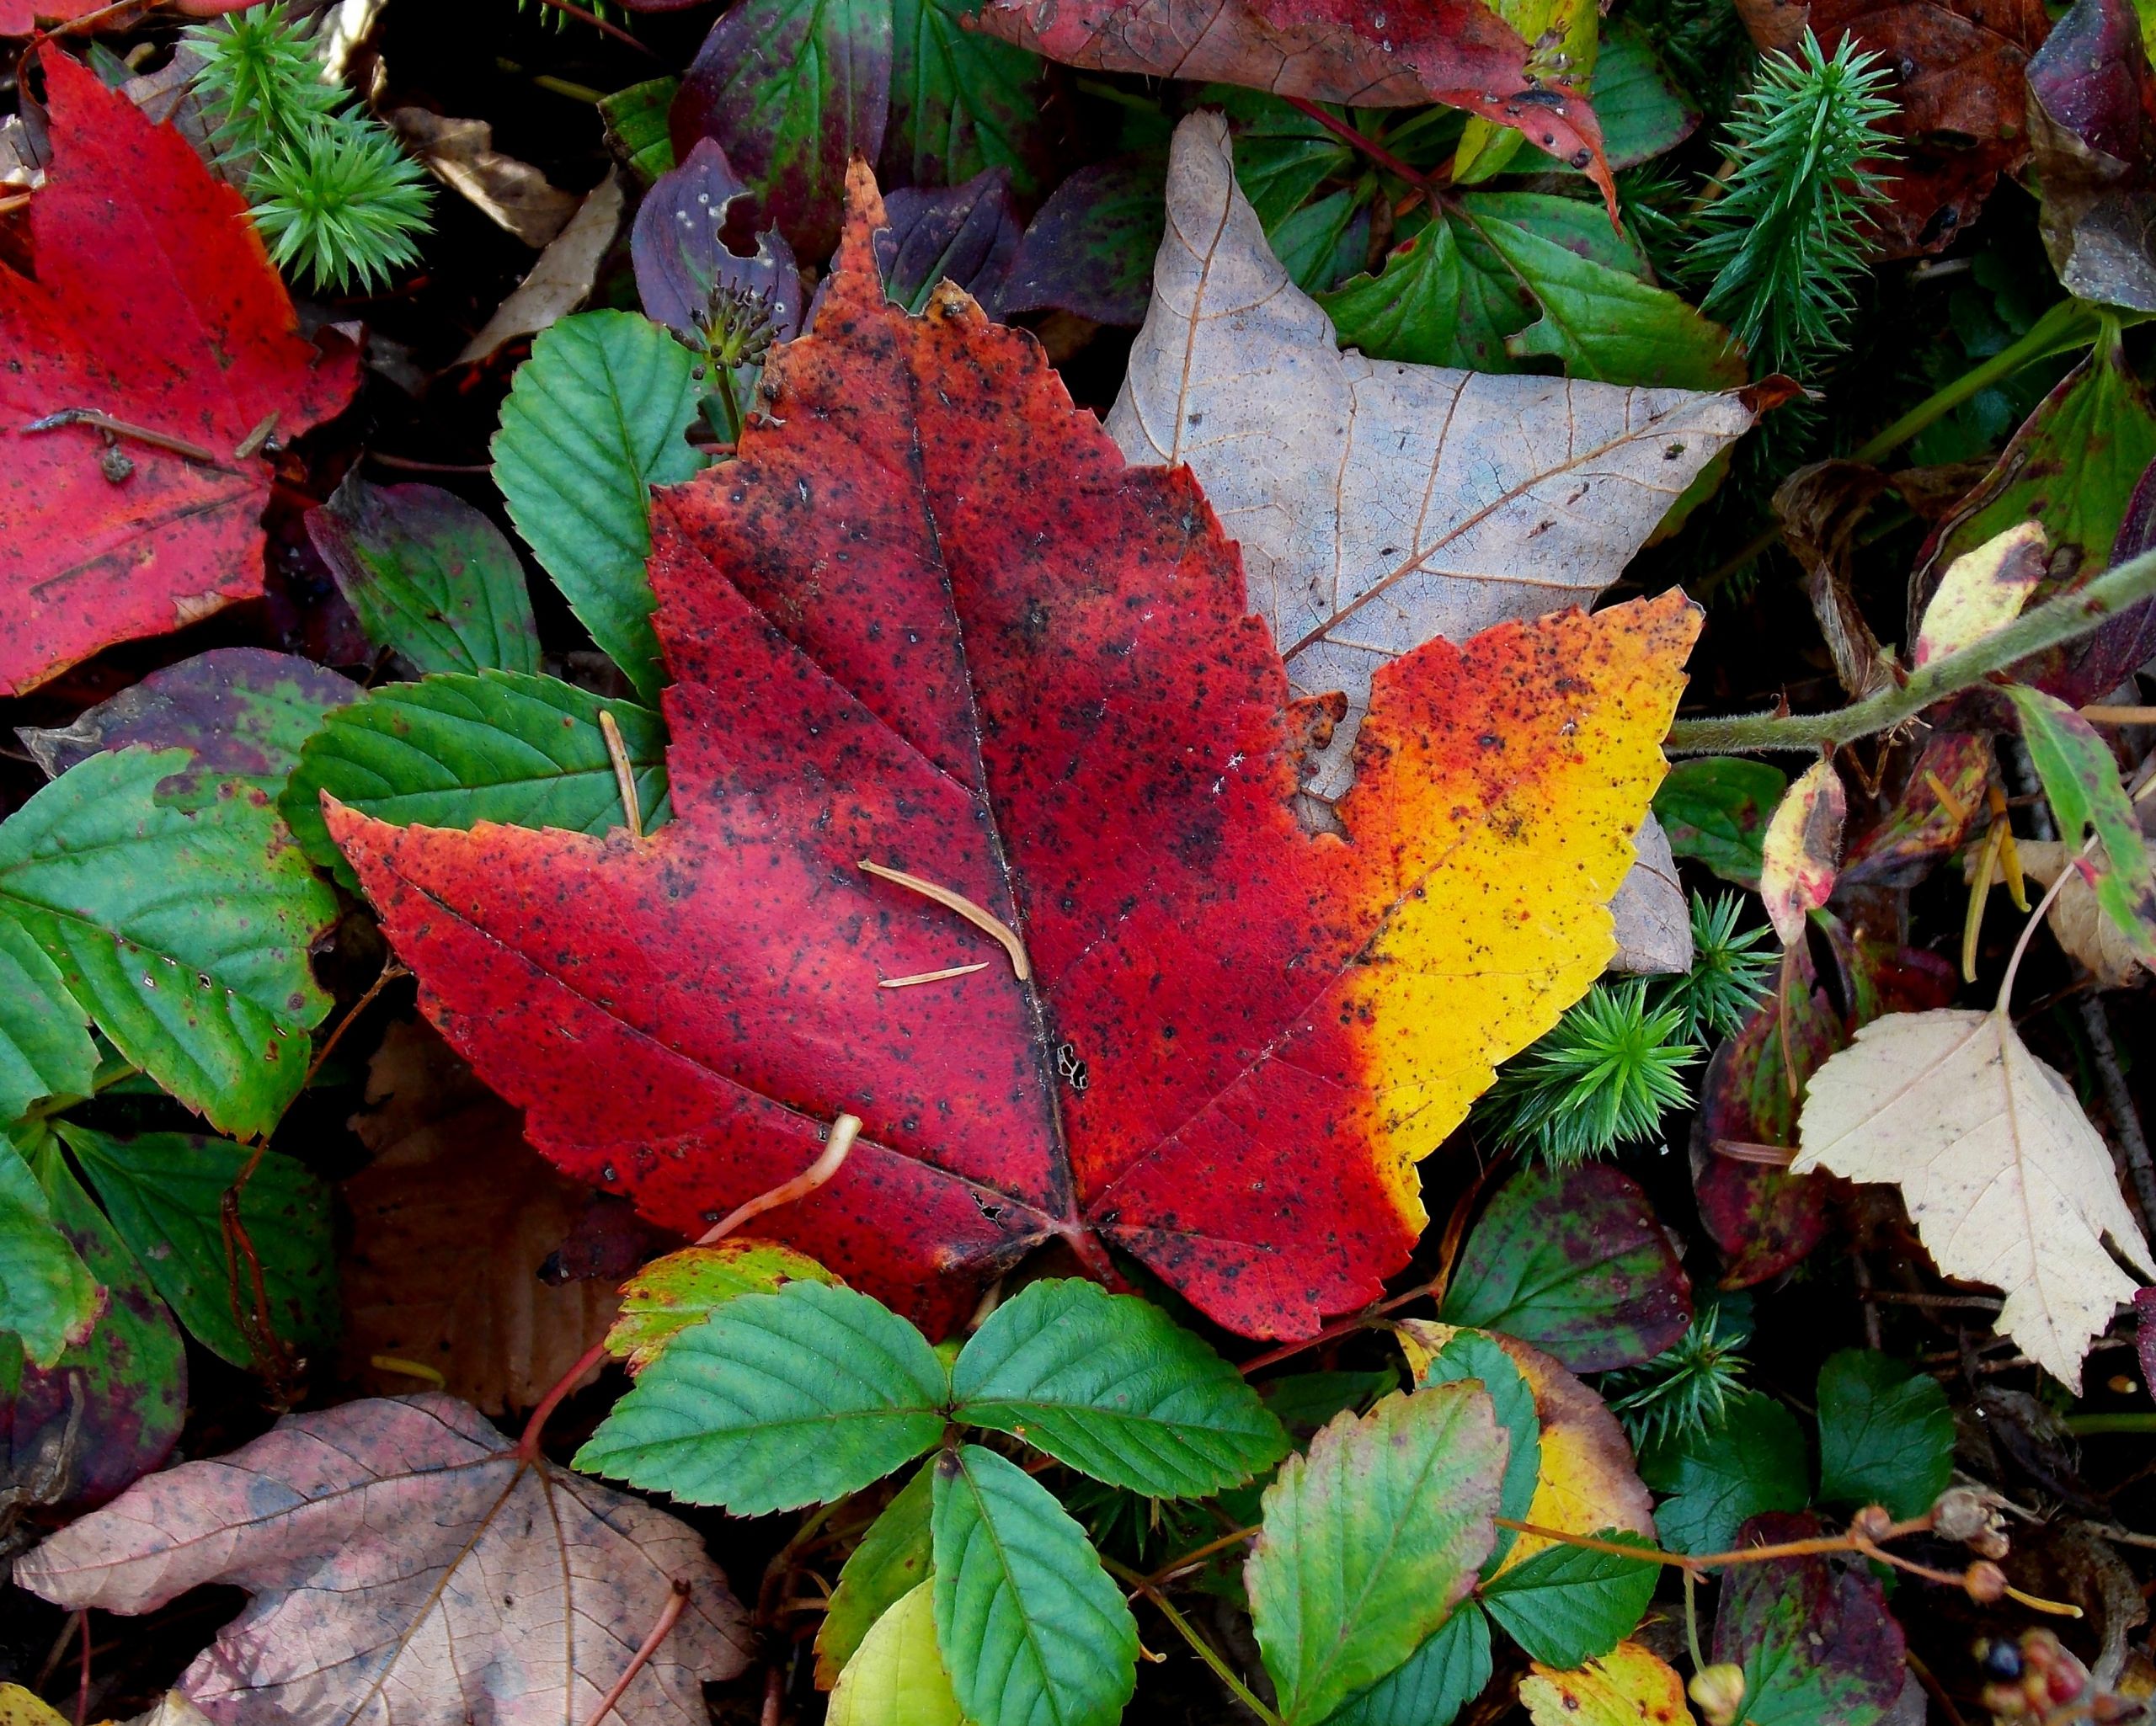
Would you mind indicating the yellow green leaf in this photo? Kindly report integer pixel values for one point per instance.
(896, 1678)
(1628, 1686)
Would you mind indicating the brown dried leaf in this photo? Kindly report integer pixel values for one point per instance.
(461, 154)
(451, 1224)
(562, 279)
(407, 1567)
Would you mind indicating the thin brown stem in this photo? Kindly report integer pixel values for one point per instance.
(677, 1602)
(391, 970)
(625, 775)
(125, 429)
(1198, 1645)
(978, 916)
(1235, 1537)
(598, 23)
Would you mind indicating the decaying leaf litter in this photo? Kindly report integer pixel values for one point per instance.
(867, 860)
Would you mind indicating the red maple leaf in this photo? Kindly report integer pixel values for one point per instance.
(1459, 52)
(930, 620)
(154, 304)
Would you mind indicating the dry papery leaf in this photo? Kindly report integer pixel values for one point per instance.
(450, 1223)
(408, 1567)
(461, 154)
(2005, 1179)
(1377, 503)
(561, 280)
(2083, 927)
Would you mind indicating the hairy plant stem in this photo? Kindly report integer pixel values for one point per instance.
(2058, 619)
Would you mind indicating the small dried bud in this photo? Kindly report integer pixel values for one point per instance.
(1718, 1692)
(1972, 1517)
(1985, 1582)
(1872, 1522)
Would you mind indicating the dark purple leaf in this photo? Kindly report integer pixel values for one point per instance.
(1090, 251)
(965, 234)
(685, 269)
(2092, 134)
(791, 90)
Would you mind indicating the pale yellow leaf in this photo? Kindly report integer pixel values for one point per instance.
(896, 1677)
(2006, 1180)
(1982, 591)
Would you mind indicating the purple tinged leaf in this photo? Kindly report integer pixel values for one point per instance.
(1813, 1635)
(243, 712)
(685, 271)
(1090, 251)
(964, 234)
(793, 90)
(2092, 134)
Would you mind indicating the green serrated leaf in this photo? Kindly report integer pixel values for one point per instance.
(593, 419)
(898, 1678)
(1030, 1627)
(1715, 810)
(1370, 1540)
(1752, 1461)
(1309, 242)
(777, 1400)
(1886, 1434)
(458, 750)
(1439, 1678)
(1475, 1354)
(635, 118)
(48, 1297)
(1606, 324)
(1112, 1386)
(961, 101)
(2081, 783)
(183, 933)
(45, 1049)
(429, 576)
(1568, 1605)
(892, 1560)
(164, 1192)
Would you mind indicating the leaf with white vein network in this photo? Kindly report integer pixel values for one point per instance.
(1380, 503)
(407, 1567)
(2005, 1179)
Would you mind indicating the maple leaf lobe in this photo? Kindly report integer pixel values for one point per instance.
(929, 617)
(154, 303)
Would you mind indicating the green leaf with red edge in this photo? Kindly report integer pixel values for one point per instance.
(154, 304)
(1458, 52)
(2081, 782)
(1813, 1635)
(1573, 1261)
(929, 619)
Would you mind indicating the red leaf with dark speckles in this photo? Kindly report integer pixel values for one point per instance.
(930, 619)
(153, 303)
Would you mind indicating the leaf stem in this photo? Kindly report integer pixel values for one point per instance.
(2060, 618)
(625, 778)
(980, 918)
(1198, 1645)
(844, 1130)
(1196, 1554)
(1423, 182)
(677, 1602)
(2029, 928)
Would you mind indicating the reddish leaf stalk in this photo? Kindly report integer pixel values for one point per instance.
(598, 23)
(1425, 183)
(844, 1132)
(125, 429)
(676, 1602)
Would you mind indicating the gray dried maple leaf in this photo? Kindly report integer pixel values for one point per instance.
(1380, 503)
(406, 1566)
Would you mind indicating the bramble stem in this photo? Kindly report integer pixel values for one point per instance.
(844, 1130)
(2057, 620)
(676, 1603)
